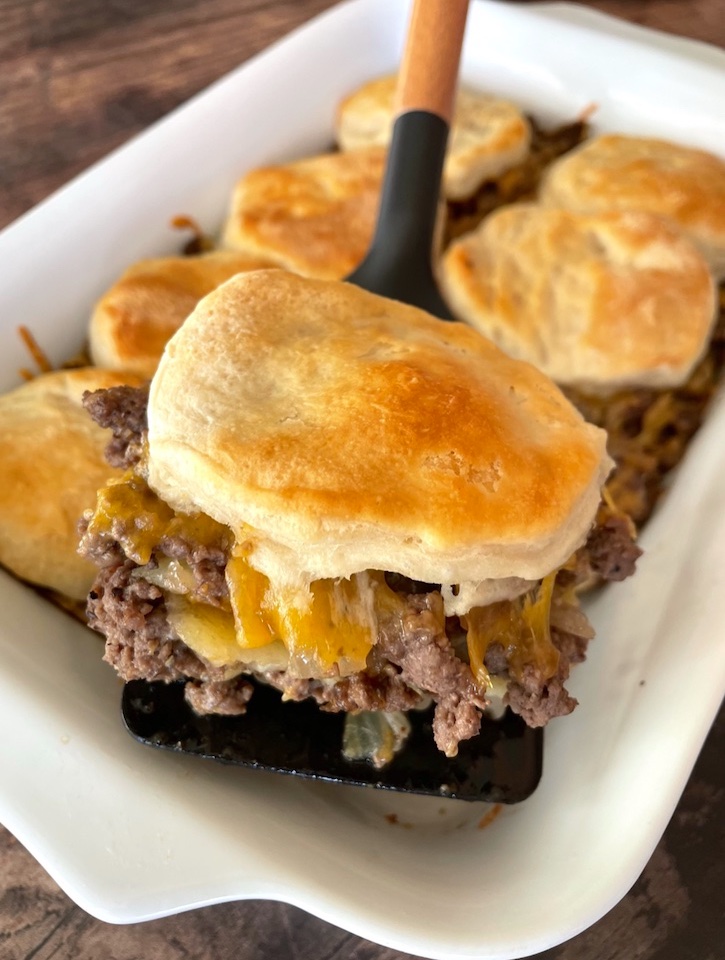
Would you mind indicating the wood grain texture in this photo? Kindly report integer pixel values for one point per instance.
(429, 66)
(78, 78)
(697, 19)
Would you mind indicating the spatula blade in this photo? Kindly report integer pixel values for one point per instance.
(501, 765)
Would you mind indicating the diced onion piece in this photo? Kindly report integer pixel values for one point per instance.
(173, 576)
(272, 657)
(374, 735)
(211, 633)
(207, 630)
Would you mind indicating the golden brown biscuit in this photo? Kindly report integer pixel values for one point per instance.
(599, 302)
(488, 135)
(290, 410)
(314, 217)
(615, 172)
(51, 464)
(133, 321)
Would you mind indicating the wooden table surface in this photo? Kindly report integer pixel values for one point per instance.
(78, 78)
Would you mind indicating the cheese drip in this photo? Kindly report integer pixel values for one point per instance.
(521, 626)
(127, 510)
(328, 633)
(325, 632)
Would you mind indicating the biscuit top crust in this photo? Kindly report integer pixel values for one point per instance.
(601, 302)
(616, 172)
(488, 135)
(314, 217)
(133, 321)
(335, 431)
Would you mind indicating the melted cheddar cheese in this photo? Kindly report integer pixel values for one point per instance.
(326, 631)
(330, 632)
(127, 510)
(521, 626)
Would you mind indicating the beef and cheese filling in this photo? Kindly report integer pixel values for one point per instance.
(177, 600)
(346, 498)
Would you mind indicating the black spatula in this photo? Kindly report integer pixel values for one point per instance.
(399, 261)
(502, 764)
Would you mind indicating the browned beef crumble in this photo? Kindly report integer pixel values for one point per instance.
(417, 643)
(538, 698)
(142, 645)
(122, 410)
(609, 554)
(535, 696)
(496, 660)
(380, 688)
(103, 551)
(140, 642)
(611, 551)
(227, 697)
(206, 562)
(413, 658)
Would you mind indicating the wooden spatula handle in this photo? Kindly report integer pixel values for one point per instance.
(429, 69)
